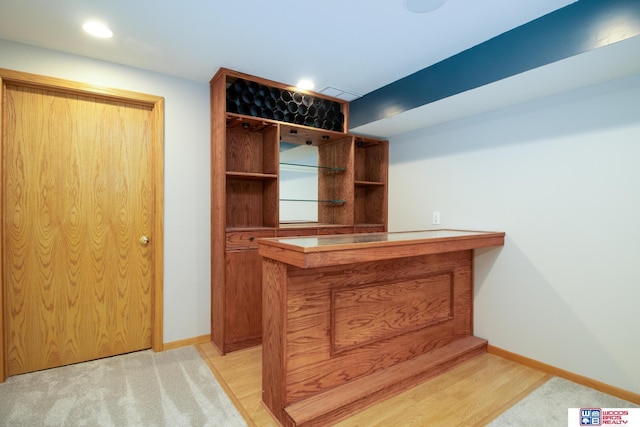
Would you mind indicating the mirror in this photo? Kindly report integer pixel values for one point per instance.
(298, 183)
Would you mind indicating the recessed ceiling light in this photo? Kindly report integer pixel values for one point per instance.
(423, 6)
(97, 29)
(305, 84)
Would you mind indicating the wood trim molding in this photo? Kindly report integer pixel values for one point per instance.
(3, 363)
(576, 378)
(157, 165)
(195, 341)
(54, 83)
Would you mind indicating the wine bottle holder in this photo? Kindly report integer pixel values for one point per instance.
(252, 99)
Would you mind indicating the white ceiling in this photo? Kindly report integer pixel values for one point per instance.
(352, 45)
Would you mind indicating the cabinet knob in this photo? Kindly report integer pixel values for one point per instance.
(144, 240)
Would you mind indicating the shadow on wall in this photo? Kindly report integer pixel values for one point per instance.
(569, 108)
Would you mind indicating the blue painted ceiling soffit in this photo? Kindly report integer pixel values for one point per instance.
(572, 30)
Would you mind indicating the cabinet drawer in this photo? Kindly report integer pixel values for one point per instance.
(335, 230)
(239, 240)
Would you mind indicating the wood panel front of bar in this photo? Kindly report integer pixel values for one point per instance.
(351, 320)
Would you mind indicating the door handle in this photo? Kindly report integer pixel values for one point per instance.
(144, 240)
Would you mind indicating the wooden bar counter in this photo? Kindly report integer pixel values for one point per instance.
(350, 320)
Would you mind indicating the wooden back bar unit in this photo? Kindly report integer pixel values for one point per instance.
(350, 320)
(251, 119)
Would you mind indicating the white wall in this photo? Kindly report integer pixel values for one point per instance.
(298, 184)
(561, 176)
(186, 198)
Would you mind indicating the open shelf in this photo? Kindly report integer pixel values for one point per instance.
(249, 175)
(370, 193)
(369, 183)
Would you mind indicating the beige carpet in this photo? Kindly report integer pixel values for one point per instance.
(548, 405)
(172, 388)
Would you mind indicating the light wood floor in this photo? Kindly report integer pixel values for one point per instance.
(471, 394)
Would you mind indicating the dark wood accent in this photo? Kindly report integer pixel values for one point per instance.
(338, 337)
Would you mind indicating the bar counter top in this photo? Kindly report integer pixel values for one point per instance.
(318, 251)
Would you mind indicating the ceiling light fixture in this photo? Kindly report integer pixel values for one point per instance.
(97, 29)
(423, 6)
(305, 84)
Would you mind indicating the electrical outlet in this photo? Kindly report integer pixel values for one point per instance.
(436, 217)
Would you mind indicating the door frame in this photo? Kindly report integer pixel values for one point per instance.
(156, 103)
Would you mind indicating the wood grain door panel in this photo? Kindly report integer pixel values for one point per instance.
(77, 197)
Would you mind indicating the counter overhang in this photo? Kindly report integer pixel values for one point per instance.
(321, 251)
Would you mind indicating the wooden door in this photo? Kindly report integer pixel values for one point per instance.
(78, 197)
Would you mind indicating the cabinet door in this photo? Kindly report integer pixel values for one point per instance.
(243, 311)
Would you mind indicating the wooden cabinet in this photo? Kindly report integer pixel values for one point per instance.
(252, 121)
(339, 338)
